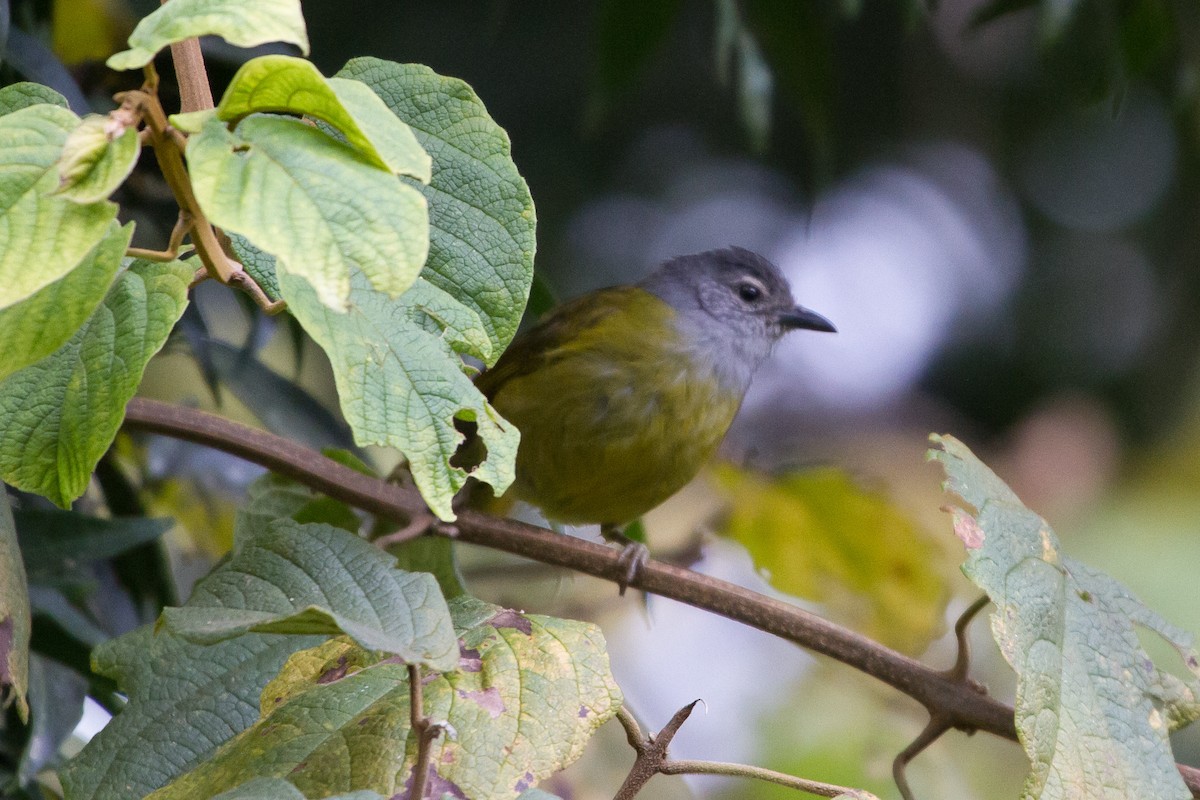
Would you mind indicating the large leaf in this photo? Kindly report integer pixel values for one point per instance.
(816, 534)
(285, 84)
(58, 416)
(293, 578)
(314, 203)
(481, 216)
(401, 383)
(186, 699)
(236, 21)
(527, 695)
(42, 236)
(96, 158)
(1092, 710)
(35, 327)
(14, 616)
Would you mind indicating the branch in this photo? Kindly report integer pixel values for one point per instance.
(954, 700)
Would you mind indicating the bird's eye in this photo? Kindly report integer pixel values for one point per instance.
(749, 292)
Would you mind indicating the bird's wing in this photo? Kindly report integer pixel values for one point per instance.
(550, 338)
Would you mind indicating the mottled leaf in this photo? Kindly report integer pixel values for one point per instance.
(527, 695)
(1092, 710)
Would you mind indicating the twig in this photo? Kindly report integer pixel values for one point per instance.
(652, 760)
(962, 661)
(427, 731)
(651, 751)
(968, 709)
(691, 767)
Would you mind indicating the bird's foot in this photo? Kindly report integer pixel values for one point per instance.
(634, 555)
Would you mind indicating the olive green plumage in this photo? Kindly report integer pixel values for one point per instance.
(621, 395)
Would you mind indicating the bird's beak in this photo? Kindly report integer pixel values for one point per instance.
(800, 317)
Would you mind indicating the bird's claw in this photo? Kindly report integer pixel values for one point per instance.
(634, 556)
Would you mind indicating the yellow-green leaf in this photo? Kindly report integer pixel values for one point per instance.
(818, 535)
(285, 84)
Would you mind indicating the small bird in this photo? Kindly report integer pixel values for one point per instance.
(623, 394)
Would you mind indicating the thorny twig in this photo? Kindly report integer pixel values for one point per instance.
(652, 760)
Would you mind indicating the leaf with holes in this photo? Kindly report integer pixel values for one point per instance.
(1092, 710)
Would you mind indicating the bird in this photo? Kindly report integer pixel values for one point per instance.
(624, 393)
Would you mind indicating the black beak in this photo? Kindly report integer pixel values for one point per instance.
(800, 317)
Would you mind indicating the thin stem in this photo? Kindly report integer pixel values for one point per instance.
(194, 92)
(688, 767)
(426, 732)
(962, 662)
(960, 702)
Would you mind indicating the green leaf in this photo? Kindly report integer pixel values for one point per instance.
(294, 578)
(529, 693)
(51, 539)
(42, 237)
(24, 94)
(284, 84)
(817, 535)
(96, 158)
(240, 23)
(14, 616)
(314, 203)
(402, 385)
(1092, 710)
(186, 699)
(481, 216)
(35, 327)
(279, 789)
(58, 416)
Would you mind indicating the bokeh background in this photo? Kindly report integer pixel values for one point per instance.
(996, 202)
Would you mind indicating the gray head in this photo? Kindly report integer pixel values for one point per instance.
(736, 303)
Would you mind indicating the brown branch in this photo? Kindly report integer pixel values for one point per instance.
(427, 731)
(958, 701)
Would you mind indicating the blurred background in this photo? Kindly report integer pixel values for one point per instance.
(996, 201)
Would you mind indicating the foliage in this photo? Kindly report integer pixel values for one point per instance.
(381, 211)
